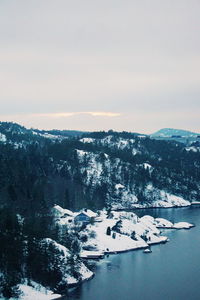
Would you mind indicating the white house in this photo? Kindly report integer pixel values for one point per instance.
(60, 212)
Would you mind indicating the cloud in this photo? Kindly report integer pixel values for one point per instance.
(137, 121)
(71, 114)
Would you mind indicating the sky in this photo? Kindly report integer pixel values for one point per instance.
(98, 65)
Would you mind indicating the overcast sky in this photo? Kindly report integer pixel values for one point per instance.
(93, 65)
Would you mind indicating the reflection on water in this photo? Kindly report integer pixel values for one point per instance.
(170, 272)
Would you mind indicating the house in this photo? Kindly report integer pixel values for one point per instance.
(85, 216)
(60, 212)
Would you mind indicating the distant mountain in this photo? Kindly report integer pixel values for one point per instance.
(169, 132)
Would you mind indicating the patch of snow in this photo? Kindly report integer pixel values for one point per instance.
(87, 140)
(153, 239)
(175, 200)
(3, 138)
(183, 225)
(125, 215)
(87, 212)
(107, 243)
(65, 221)
(166, 200)
(20, 219)
(148, 223)
(163, 223)
(17, 145)
(119, 186)
(48, 135)
(35, 291)
(81, 153)
(135, 151)
(122, 144)
(193, 149)
(147, 166)
(58, 211)
(63, 250)
(121, 241)
(84, 272)
(149, 187)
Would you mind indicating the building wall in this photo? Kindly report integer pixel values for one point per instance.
(82, 218)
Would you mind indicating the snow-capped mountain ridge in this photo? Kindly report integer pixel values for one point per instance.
(168, 132)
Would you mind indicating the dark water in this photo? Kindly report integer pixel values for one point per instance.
(170, 272)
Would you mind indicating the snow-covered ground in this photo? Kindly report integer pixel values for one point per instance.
(171, 201)
(183, 225)
(164, 200)
(58, 211)
(132, 233)
(193, 149)
(3, 138)
(163, 223)
(122, 231)
(35, 292)
(48, 135)
(144, 229)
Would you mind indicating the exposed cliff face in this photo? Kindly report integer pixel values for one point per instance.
(124, 170)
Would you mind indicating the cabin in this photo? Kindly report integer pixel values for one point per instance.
(85, 216)
(60, 212)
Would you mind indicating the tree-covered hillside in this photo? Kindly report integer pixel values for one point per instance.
(118, 170)
(38, 172)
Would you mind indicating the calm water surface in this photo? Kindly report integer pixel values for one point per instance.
(170, 272)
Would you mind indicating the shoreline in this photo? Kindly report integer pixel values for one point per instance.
(123, 251)
(156, 207)
(107, 253)
(149, 244)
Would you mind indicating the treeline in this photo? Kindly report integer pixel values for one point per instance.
(39, 175)
(26, 254)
